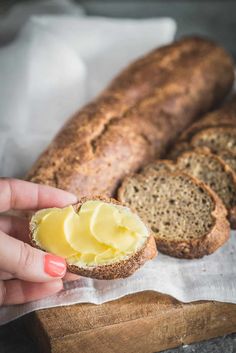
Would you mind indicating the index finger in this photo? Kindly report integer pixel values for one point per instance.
(23, 195)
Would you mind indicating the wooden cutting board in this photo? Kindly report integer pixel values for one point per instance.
(145, 322)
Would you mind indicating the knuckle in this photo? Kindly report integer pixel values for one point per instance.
(2, 292)
(26, 257)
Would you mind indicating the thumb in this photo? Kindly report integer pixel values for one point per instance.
(27, 263)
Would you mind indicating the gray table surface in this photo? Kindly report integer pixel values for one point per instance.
(216, 19)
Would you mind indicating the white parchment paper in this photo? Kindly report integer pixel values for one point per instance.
(57, 64)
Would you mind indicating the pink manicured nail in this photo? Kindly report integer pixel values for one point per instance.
(54, 266)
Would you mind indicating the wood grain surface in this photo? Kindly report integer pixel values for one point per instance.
(144, 322)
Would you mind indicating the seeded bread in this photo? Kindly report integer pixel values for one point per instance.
(136, 117)
(188, 219)
(228, 157)
(212, 170)
(160, 165)
(225, 116)
(120, 269)
(217, 138)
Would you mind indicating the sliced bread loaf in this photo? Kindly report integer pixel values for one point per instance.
(99, 238)
(188, 219)
(222, 117)
(136, 117)
(212, 170)
(217, 138)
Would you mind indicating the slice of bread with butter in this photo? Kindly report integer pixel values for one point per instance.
(98, 237)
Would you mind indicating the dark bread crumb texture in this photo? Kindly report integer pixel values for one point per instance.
(216, 138)
(212, 171)
(188, 219)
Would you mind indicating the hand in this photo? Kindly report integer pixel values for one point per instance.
(27, 273)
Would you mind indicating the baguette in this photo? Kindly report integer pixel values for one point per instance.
(109, 269)
(136, 117)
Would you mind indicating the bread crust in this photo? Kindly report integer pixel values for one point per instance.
(192, 248)
(135, 118)
(119, 269)
(225, 116)
(166, 164)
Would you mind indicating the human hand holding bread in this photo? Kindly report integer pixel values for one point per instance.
(27, 273)
(134, 122)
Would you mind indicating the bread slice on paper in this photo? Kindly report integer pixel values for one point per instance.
(98, 237)
(187, 218)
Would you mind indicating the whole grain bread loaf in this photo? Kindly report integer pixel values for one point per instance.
(136, 117)
(187, 218)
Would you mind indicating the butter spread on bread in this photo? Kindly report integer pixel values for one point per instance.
(94, 234)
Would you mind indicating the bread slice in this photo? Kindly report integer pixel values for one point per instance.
(120, 269)
(225, 116)
(212, 170)
(188, 219)
(217, 138)
(160, 165)
(228, 157)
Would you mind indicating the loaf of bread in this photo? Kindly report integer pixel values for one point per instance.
(134, 120)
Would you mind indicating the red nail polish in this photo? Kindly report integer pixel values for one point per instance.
(54, 266)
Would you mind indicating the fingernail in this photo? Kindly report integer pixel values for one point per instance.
(54, 266)
(72, 198)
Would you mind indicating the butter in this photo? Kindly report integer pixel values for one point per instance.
(99, 233)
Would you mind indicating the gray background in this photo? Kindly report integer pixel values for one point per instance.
(216, 19)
